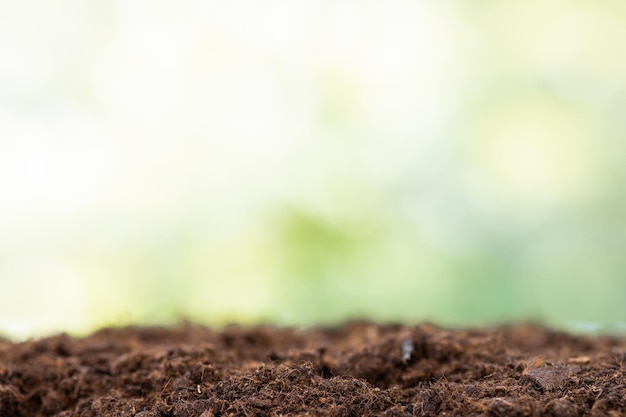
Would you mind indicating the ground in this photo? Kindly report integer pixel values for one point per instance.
(357, 369)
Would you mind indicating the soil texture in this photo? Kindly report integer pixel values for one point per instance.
(356, 369)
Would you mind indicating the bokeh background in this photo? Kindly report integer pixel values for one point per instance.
(307, 162)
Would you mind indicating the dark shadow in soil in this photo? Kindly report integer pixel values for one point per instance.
(358, 369)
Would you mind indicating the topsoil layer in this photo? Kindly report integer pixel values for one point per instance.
(358, 369)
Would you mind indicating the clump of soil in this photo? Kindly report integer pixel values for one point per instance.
(358, 369)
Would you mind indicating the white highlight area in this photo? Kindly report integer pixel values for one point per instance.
(42, 295)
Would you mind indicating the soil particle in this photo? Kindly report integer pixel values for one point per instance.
(357, 369)
(549, 377)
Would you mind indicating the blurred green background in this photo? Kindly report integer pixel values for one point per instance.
(307, 162)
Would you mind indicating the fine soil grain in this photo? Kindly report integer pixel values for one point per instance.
(356, 369)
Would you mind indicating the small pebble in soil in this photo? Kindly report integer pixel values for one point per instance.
(407, 349)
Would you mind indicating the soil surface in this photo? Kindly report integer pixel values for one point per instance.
(358, 369)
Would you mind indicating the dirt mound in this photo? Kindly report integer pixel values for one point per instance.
(358, 369)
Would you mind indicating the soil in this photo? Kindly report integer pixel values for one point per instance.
(357, 369)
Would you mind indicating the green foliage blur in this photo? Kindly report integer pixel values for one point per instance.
(304, 163)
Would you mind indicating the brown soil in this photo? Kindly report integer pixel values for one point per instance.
(358, 369)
